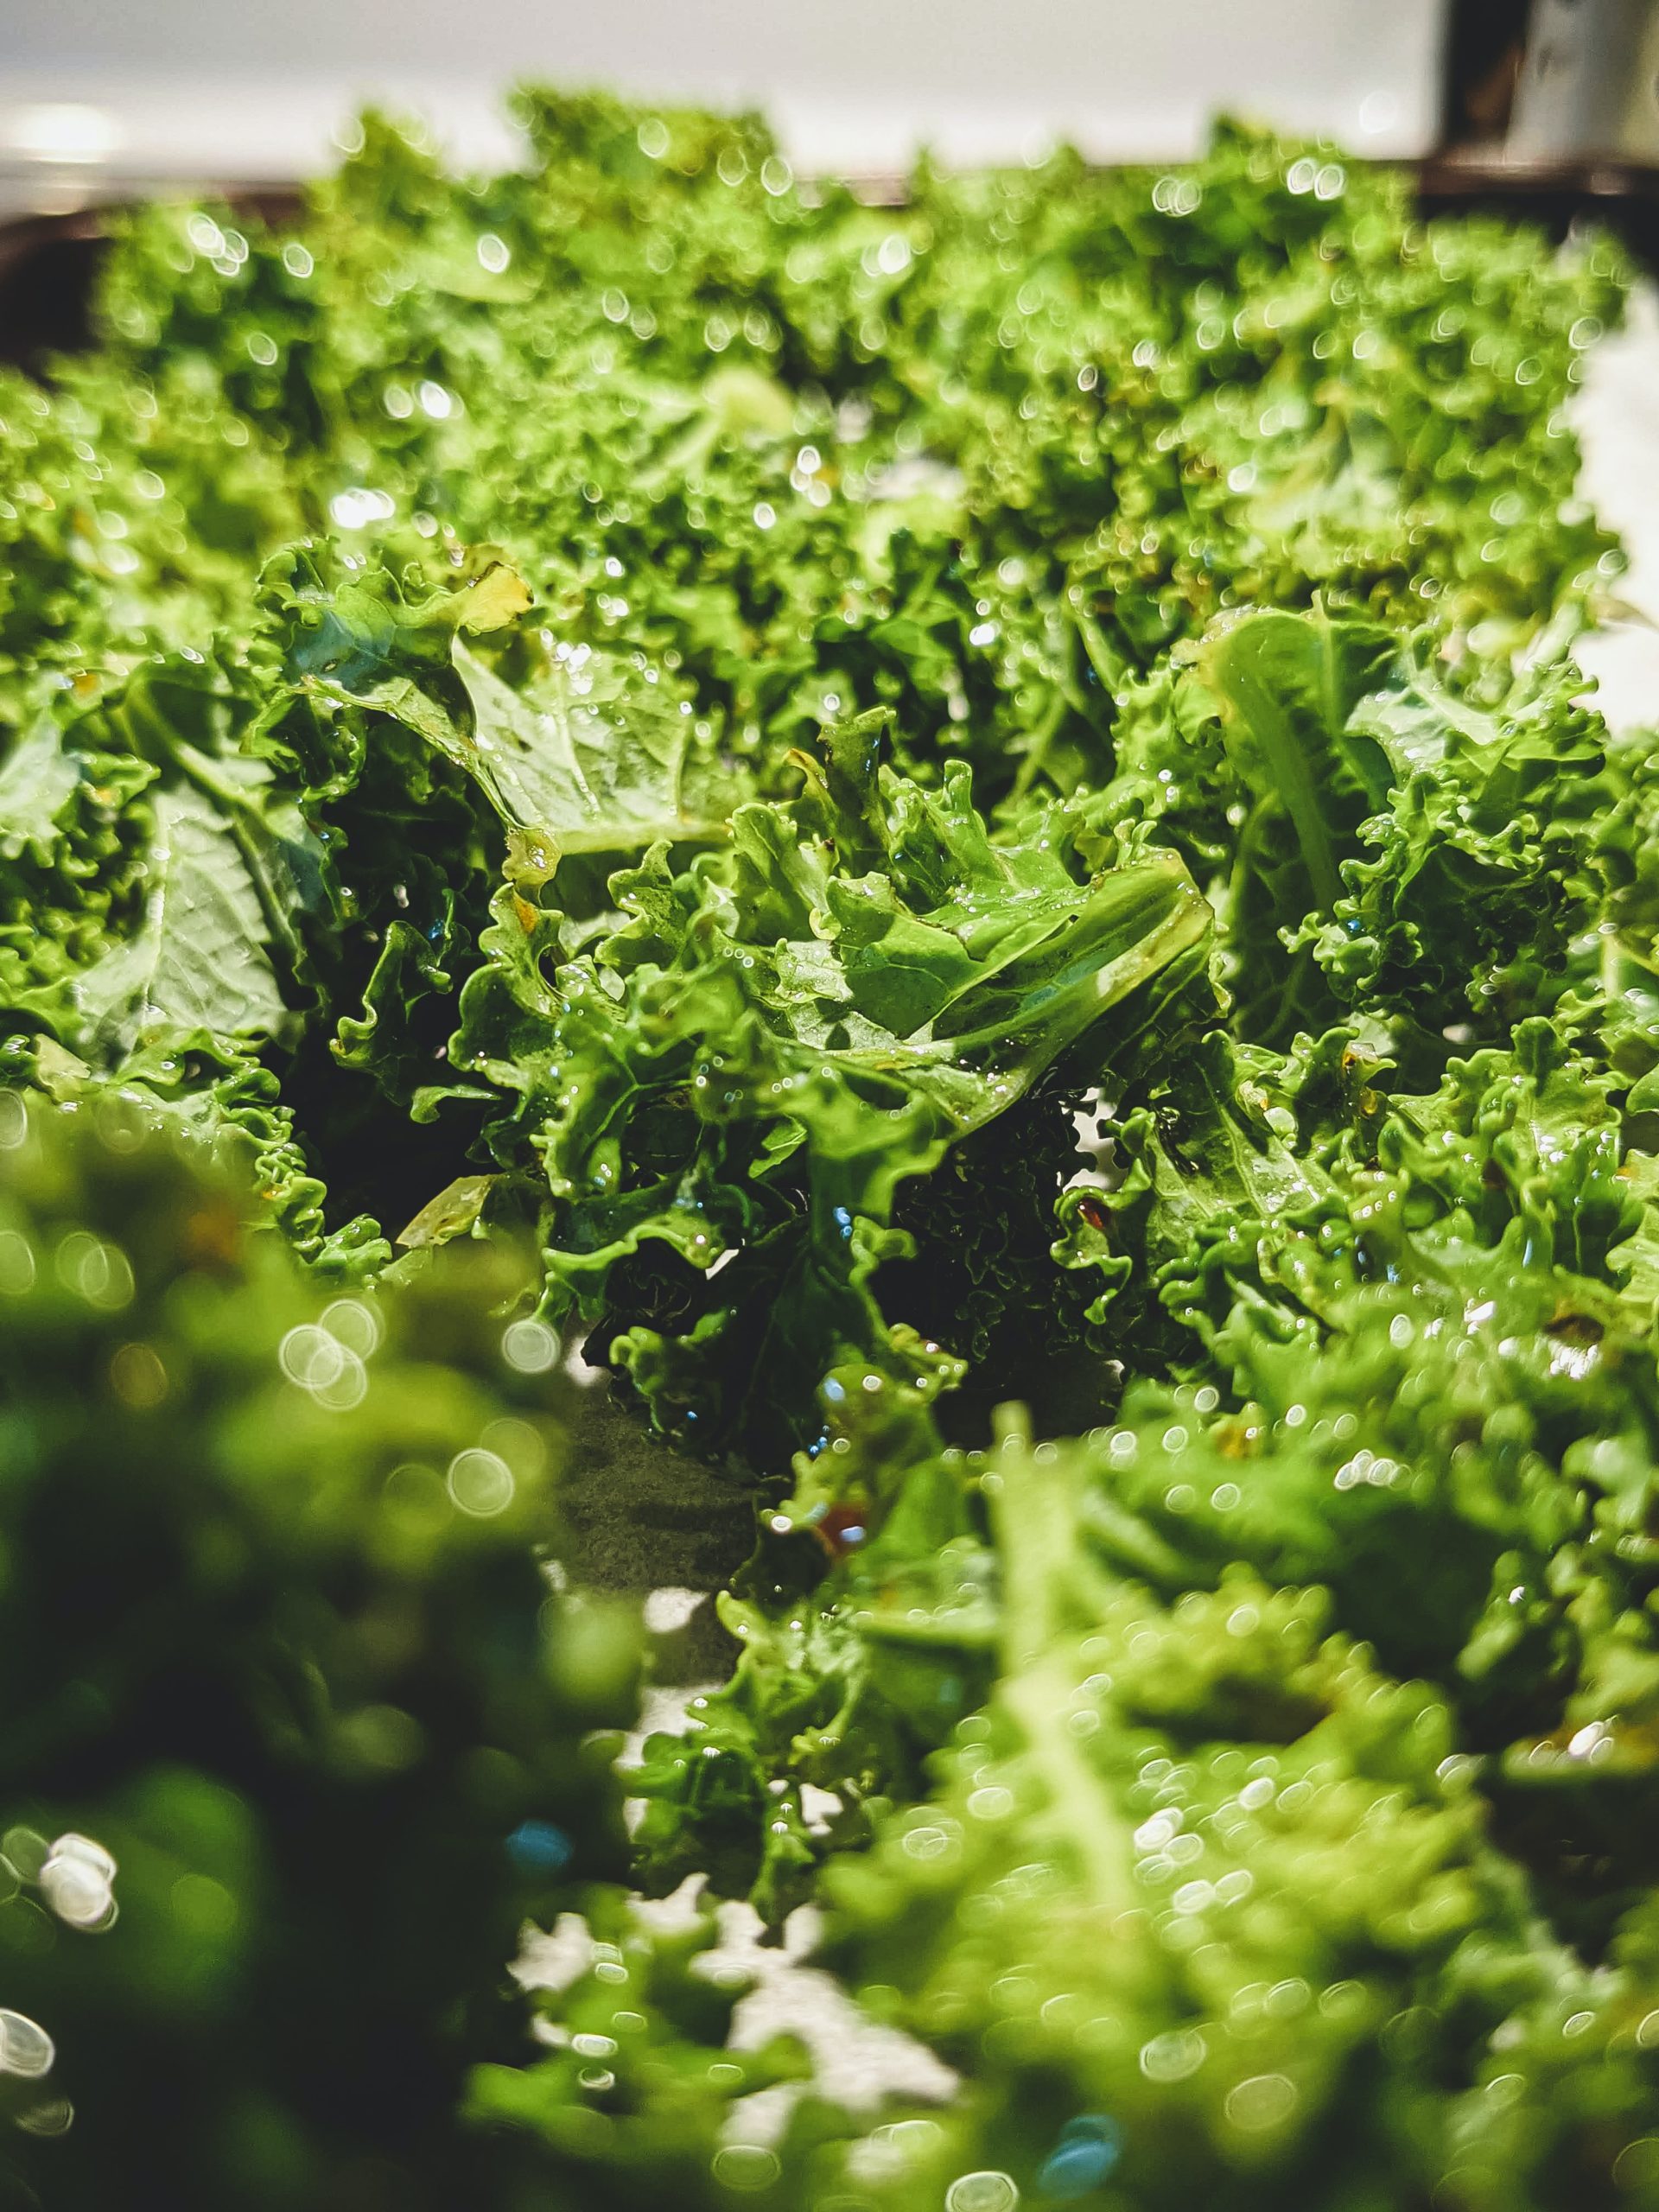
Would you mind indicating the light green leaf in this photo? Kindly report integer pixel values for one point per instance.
(455, 1209)
(35, 783)
(199, 959)
(1287, 684)
(593, 757)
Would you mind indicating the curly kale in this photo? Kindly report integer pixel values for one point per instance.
(884, 810)
(729, 1090)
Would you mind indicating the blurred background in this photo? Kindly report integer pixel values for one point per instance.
(254, 93)
(99, 96)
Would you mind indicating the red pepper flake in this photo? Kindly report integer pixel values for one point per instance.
(842, 1529)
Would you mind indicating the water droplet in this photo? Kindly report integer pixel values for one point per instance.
(746, 2166)
(25, 2047)
(539, 1847)
(1263, 2101)
(982, 2192)
(1173, 2056)
(480, 1483)
(352, 1323)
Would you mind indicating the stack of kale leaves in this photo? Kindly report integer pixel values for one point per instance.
(954, 806)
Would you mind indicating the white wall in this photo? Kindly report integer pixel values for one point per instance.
(244, 89)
